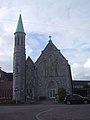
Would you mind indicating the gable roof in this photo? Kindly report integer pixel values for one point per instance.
(29, 62)
(50, 49)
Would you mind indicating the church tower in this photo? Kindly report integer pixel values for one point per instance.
(19, 58)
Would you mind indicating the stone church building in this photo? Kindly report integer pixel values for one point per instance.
(43, 78)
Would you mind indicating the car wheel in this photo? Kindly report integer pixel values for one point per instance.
(68, 102)
(85, 102)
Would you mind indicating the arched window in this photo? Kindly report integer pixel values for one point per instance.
(17, 40)
(56, 67)
(45, 66)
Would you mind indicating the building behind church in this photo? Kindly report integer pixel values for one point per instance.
(43, 78)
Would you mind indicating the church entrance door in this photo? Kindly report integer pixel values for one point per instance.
(52, 93)
(52, 89)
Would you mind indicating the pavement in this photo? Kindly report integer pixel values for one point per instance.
(66, 112)
(45, 112)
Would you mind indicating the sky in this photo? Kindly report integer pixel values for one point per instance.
(67, 21)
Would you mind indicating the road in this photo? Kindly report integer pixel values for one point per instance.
(45, 112)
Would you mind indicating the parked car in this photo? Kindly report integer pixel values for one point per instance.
(76, 99)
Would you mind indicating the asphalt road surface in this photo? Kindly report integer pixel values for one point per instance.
(45, 112)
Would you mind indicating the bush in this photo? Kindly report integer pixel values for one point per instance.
(61, 94)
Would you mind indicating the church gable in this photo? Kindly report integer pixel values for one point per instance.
(30, 69)
(52, 72)
(51, 50)
(51, 62)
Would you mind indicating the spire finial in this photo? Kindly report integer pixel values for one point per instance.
(50, 40)
(50, 37)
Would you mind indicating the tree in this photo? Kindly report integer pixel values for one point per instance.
(61, 94)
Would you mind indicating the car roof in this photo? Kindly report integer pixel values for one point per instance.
(74, 95)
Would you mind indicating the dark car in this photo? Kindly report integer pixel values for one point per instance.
(76, 99)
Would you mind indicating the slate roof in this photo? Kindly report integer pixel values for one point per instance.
(8, 76)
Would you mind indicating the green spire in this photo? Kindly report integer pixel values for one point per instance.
(20, 25)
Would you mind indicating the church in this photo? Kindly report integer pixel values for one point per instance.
(40, 79)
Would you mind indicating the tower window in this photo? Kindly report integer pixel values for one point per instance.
(22, 40)
(17, 40)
